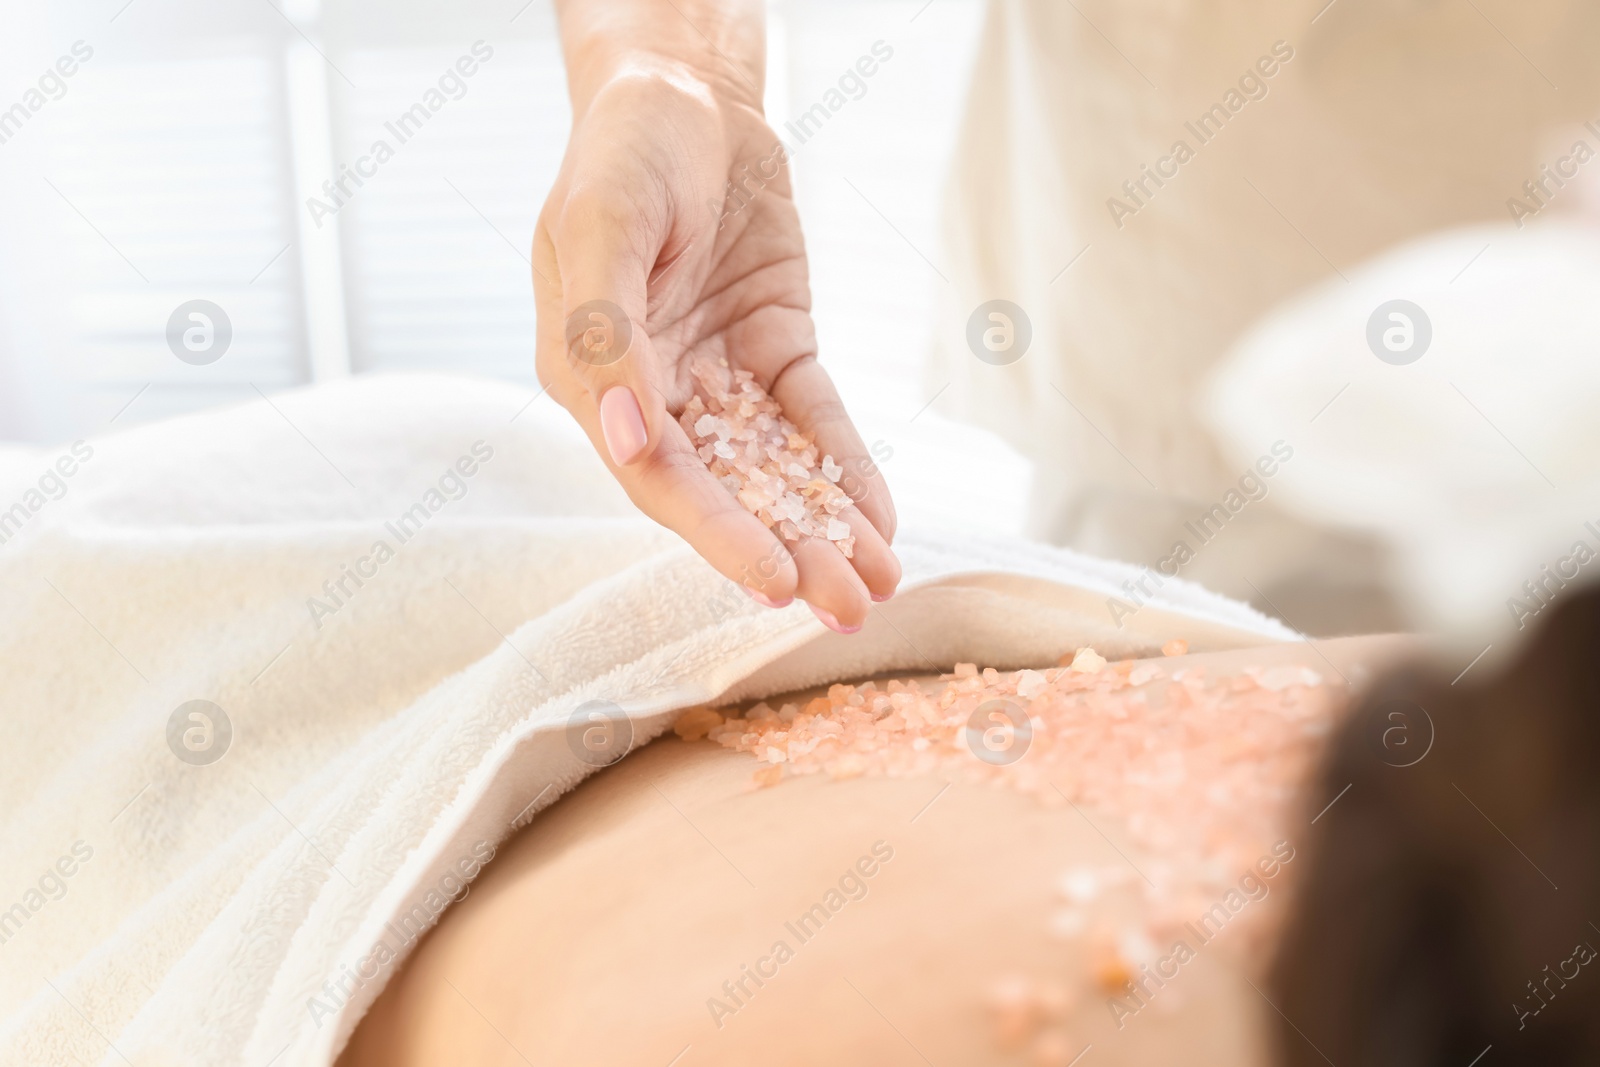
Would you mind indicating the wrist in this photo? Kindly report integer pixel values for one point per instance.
(716, 44)
(718, 81)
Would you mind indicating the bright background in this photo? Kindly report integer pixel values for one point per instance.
(178, 163)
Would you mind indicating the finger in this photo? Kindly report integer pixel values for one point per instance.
(830, 585)
(604, 244)
(673, 486)
(874, 561)
(807, 395)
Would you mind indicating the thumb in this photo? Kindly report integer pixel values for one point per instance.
(603, 265)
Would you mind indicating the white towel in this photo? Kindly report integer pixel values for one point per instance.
(1478, 463)
(385, 737)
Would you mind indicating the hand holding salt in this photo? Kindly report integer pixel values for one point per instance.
(763, 459)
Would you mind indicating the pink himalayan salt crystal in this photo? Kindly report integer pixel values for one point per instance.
(1019, 1007)
(1030, 684)
(1283, 677)
(1087, 661)
(1067, 923)
(741, 434)
(695, 723)
(1143, 673)
(1176, 647)
(1109, 970)
(1199, 770)
(1014, 1011)
(1081, 884)
(1196, 773)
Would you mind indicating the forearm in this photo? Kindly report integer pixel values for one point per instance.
(718, 43)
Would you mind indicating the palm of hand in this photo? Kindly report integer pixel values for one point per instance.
(678, 209)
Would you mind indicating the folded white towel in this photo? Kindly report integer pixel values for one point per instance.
(387, 715)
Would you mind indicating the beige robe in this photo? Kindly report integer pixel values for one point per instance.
(1324, 143)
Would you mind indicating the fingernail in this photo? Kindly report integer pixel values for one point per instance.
(832, 623)
(876, 599)
(622, 425)
(766, 601)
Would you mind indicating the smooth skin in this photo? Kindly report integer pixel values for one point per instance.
(599, 933)
(667, 111)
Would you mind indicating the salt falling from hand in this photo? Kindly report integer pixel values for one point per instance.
(741, 434)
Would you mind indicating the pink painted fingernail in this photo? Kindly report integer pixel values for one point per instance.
(832, 623)
(622, 425)
(876, 599)
(766, 601)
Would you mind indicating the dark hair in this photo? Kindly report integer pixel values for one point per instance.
(1450, 898)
